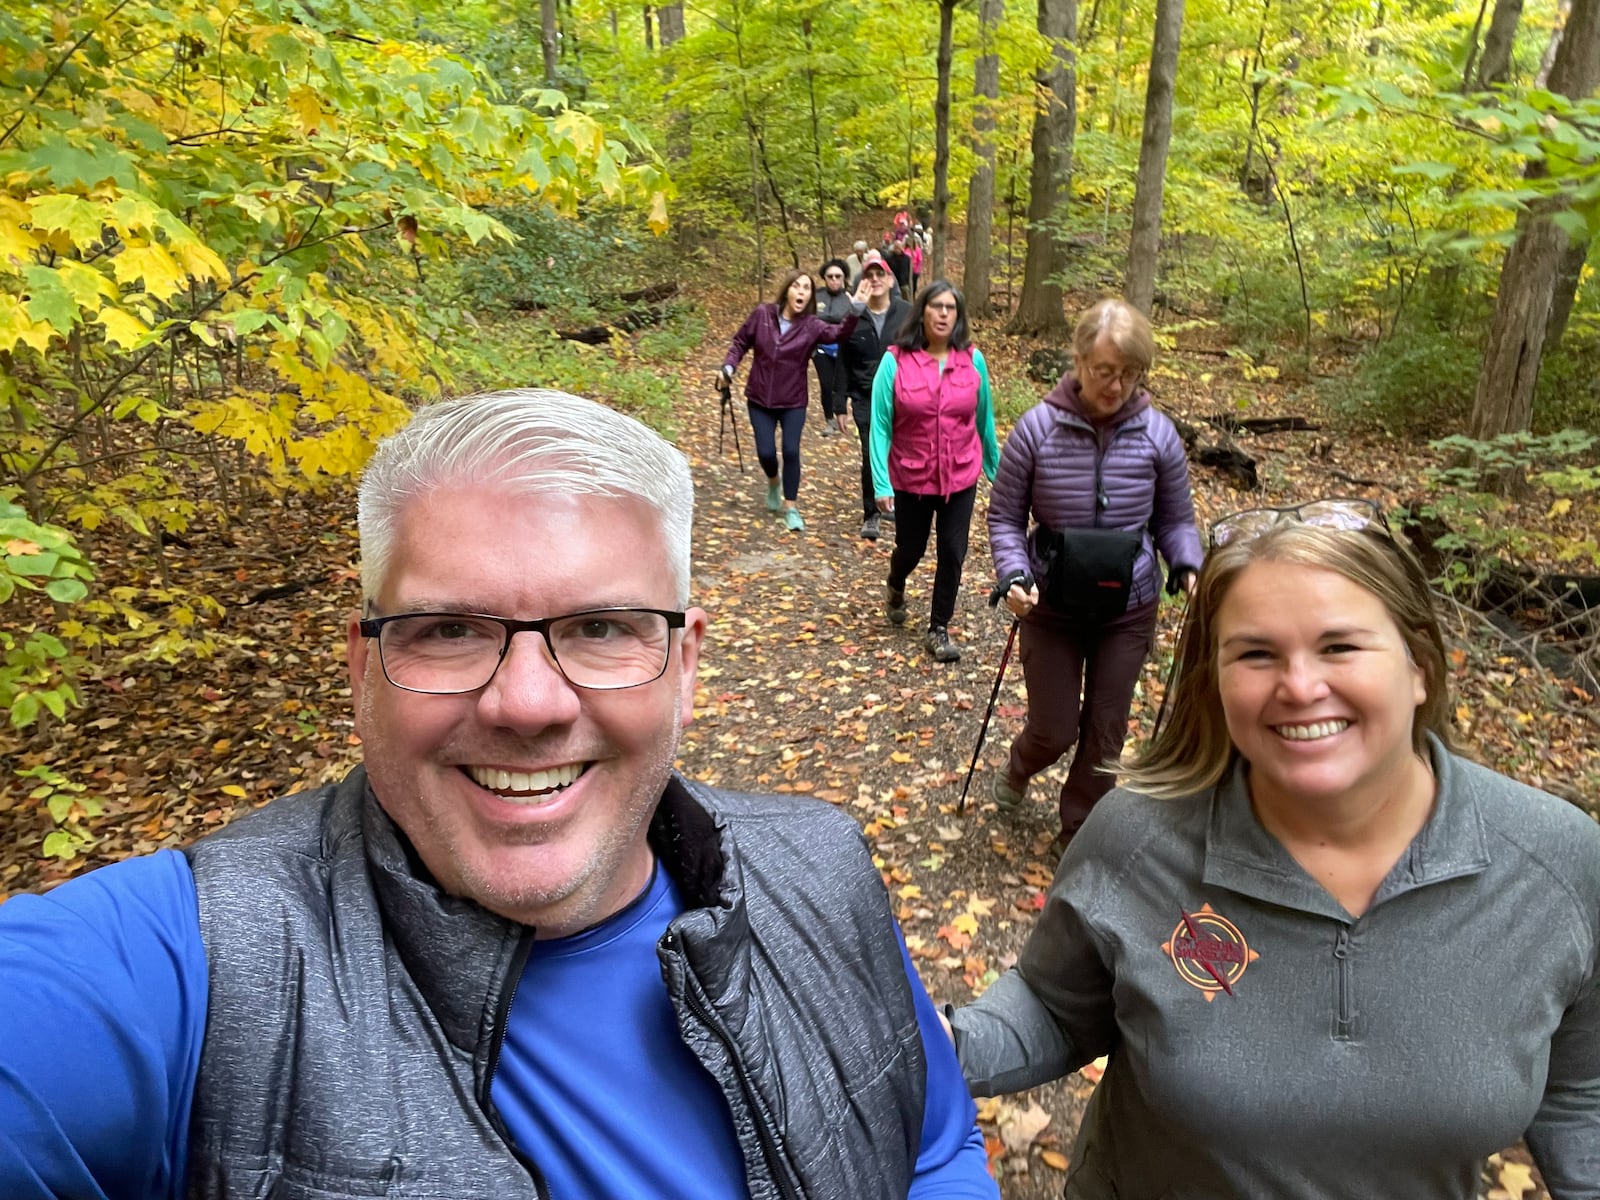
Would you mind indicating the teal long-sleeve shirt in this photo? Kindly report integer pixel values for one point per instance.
(882, 426)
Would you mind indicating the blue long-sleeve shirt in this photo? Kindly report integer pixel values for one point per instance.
(103, 987)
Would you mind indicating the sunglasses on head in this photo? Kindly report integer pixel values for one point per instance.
(1338, 512)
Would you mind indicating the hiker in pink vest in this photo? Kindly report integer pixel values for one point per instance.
(932, 432)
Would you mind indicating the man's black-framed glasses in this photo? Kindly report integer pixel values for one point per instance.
(446, 654)
(1336, 512)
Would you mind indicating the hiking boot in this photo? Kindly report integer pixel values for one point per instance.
(1008, 797)
(938, 644)
(774, 497)
(889, 516)
(792, 521)
(894, 605)
(827, 429)
(870, 528)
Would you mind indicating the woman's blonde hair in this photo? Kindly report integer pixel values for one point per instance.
(1193, 750)
(1127, 327)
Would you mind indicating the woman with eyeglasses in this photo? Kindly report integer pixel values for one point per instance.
(932, 433)
(833, 306)
(780, 337)
(1101, 478)
(1323, 954)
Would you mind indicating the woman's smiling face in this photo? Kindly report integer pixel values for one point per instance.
(1317, 687)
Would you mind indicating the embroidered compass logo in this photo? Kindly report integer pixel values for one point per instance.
(1209, 951)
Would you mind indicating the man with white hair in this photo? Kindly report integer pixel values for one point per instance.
(513, 954)
(854, 263)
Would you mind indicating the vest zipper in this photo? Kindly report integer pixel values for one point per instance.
(777, 1168)
(502, 1018)
(1341, 956)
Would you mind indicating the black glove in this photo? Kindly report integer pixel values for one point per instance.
(1175, 578)
(1015, 579)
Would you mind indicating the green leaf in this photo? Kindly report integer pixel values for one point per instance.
(78, 217)
(1430, 170)
(24, 710)
(49, 300)
(60, 844)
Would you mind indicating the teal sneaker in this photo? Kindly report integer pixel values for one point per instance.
(792, 521)
(774, 497)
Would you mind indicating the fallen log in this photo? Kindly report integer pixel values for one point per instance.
(1229, 423)
(1223, 456)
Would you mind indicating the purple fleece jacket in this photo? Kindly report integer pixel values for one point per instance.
(778, 367)
(1049, 468)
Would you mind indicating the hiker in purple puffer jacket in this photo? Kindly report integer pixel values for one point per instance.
(1093, 458)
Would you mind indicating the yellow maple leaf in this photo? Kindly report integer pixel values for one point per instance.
(966, 923)
(149, 261)
(200, 260)
(1516, 1179)
(305, 105)
(1560, 508)
(122, 328)
(17, 326)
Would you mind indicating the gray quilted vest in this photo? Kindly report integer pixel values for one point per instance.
(355, 1010)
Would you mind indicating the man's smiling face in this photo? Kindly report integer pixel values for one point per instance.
(563, 846)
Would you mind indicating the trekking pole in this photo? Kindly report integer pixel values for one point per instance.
(1000, 589)
(1172, 671)
(724, 390)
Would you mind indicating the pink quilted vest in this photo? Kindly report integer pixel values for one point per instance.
(934, 449)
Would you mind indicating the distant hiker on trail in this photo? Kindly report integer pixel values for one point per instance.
(514, 954)
(833, 306)
(1102, 477)
(853, 265)
(899, 260)
(1325, 955)
(859, 357)
(932, 433)
(780, 337)
(916, 262)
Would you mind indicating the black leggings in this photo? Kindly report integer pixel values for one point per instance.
(765, 422)
(830, 384)
(914, 517)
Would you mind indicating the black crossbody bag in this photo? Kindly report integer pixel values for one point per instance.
(1088, 573)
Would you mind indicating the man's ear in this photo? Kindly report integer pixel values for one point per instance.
(693, 637)
(356, 649)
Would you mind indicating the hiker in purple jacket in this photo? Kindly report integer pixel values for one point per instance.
(1103, 477)
(781, 337)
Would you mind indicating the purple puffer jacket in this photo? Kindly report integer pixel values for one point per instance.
(1050, 467)
(778, 366)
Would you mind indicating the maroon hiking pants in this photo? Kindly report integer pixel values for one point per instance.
(1080, 688)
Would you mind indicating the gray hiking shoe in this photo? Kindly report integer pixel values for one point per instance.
(938, 644)
(894, 605)
(870, 528)
(1007, 796)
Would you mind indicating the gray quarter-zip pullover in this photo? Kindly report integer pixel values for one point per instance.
(1263, 1043)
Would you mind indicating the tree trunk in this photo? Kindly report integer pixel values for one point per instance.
(1569, 276)
(669, 20)
(1469, 72)
(978, 270)
(941, 141)
(649, 29)
(549, 41)
(1495, 65)
(1526, 299)
(1039, 308)
(1140, 287)
(816, 140)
